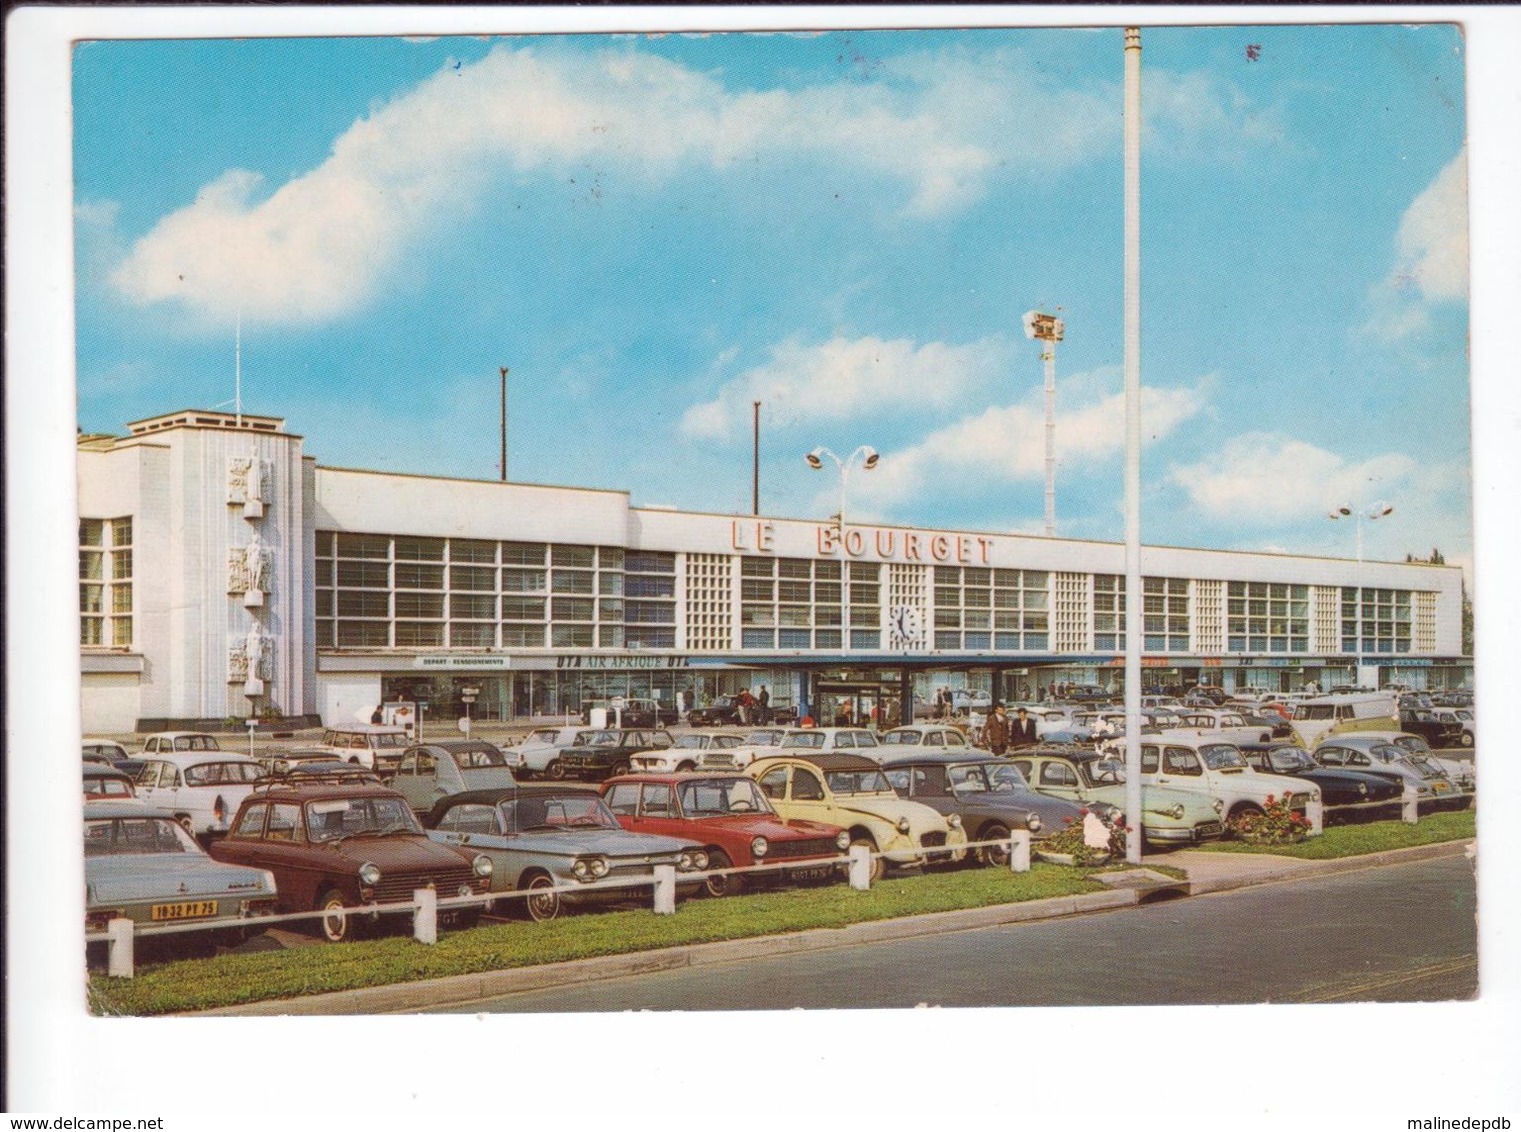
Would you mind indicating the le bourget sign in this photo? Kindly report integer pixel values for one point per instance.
(879, 543)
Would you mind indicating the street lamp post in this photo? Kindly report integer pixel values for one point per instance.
(869, 458)
(467, 696)
(1049, 330)
(1371, 512)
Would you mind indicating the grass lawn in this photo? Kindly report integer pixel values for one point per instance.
(1370, 837)
(230, 979)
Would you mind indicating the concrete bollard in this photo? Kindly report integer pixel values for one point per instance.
(425, 915)
(1019, 851)
(665, 890)
(860, 867)
(1316, 812)
(119, 948)
(1410, 807)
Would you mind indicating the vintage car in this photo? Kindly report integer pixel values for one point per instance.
(1461, 771)
(1218, 770)
(108, 749)
(850, 791)
(731, 817)
(758, 742)
(818, 740)
(164, 742)
(103, 782)
(921, 739)
(686, 752)
(202, 788)
(1432, 727)
(1221, 725)
(431, 771)
(374, 746)
(544, 837)
(334, 846)
(987, 793)
(534, 755)
(1168, 817)
(606, 753)
(722, 712)
(621, 713)
(1374, 752)
(277, 761)
(1339, 786)
(141, 864)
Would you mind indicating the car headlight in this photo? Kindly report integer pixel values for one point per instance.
(1033, 822)
(600, 867)
(954, 821)
(369, 874)
(481, 865)
(903, 825)
(1219, 806)
(842, 841)
(1175, 811)
(1362, 788)
(581, 869)
(759, 846)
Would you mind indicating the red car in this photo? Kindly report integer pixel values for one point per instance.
(731, 816)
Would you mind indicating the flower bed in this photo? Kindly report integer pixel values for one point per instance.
(1275, 824)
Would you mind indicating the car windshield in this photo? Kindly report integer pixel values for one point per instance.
(329, 819)
(1413, 744)
(1290, 759)
(1005, 778)
(112, 837)
(904, 737)
(107, 788)
(1104, 772)
(1388, 752)
(690, 742)
(479, 759)
(218, 774)
(1222, 756)
(813, 740)
(858, 782)
(717, 797)
(568, 810)
(388, 739)
(597, 739)
(968, 779)
(763, 738)
(195, 743)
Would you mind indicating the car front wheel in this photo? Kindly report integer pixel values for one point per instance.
(995, 855)
(337, 925)
(554, 771)
(878, 864)
(540, 905)
(618, 768)
(721, 885)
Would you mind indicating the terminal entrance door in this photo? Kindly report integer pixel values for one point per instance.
(856, 703)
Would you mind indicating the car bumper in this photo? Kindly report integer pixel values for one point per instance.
(1185, 835)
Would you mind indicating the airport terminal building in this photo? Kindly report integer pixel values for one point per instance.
(224, 573)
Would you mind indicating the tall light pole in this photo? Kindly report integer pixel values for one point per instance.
(869, 458)
(1370, 512)
(504, 423)
(1048, 329)
(1133, 601)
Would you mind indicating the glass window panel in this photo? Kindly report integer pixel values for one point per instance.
(121, 599)
(91, 599)
(472, 550)
(419, 549)
(564, 555)
(481, 578)
(751, 567)
(757, 639)
(572, 609)
(828, 570)
(363, 546)
(517, 609)
(524, 553)
(610, 557)
(795, 615)
(610, 636)
(794, 568)
(573, 581)
(826, 615)
(757, 589)
(978, 641)
(610, 584)
(826, 638)
(121, 631)
(865, 615)
(91, 630)
(525, 581)
(324, 544)
(649, 562)
(757, 615)
(92, 532)
(860, 639)
(865, 572)
(794, 591)
(121, 564)
(648, 637)
(474, 636)
(610, 609)
(121, 532)
(523, 636)
(90, 564)
(474, 607)
(419, 634)
(363, 634)
(368, 575)
(363, 603)
(828, 592)
(639, 586)
(793, 638)
(410, 576)
(649, 612)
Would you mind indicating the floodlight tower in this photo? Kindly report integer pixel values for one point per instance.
(1049, 330)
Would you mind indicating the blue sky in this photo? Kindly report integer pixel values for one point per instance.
(654, 231)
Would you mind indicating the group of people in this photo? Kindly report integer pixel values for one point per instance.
(754, 708)
(1000, 733)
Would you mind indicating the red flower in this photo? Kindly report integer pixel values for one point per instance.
(1270, 799)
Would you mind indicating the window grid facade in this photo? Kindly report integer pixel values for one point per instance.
(709, 607)
(908, 586)
(1072, 630)
(790, 604)
(1271, 617)
(1425, 621)
(105, 583)
(1209, 616)
(981, 609)
(1327, 605)
(1385, 620)
(1108, 612)
(864, 605)
(1165, 622)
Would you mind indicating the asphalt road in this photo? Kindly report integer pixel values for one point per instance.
(1404, 933)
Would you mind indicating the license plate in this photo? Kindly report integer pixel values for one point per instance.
(189, 910)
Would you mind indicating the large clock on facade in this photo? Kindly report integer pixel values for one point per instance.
(907, 626)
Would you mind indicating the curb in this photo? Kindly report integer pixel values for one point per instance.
(455, 989)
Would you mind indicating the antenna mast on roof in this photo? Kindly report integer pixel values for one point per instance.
(237, 368)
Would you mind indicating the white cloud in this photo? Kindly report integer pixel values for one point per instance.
(322, 244)
(846, 378)
(1199, 115)
(1263, 478)
(1006, 445)
(1432, 258)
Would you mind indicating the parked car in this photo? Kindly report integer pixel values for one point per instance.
(1433, 728)
(631, 713)
(758, 743)
(334, 846)
(1461, 719)
(722, 712)
(921, 739)
(141, 864)
(1168, 816)
(1219, 770)
(1222, 726)
(106, 783)
(202, 788)
(1373, 751)
(733, 820)
(165, 742)
(686, 752)
(1461, 771)
(108, 749)
(1341, 712)
(431, 771)
(850, 791)
(536, 753)
(608, 753)
(988, 794)
(374, 746)
(819, 740)
(1339, 786)
(539, 838)
(278, 761)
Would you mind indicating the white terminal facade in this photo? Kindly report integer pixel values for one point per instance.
(224, 573)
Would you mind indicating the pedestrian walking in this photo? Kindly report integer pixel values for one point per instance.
(1023, 733)
(995, 732)
(763, 707)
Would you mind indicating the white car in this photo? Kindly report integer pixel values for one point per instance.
(1219, 770)
(162, 742)
(920, 739)
(202, 789)
(1220, 725)
(758, 743)
(374, 746)
(818, 740)
(1461, 771)
(687, 752)
(532, 756)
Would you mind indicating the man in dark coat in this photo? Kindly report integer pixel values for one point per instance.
(995, 732)
(1023, 733)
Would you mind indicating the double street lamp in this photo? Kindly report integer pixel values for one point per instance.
(869, 458)
(1370, 512)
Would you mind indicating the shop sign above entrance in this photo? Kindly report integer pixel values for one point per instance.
(461, 662)
(881, 543)
(621, 662)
